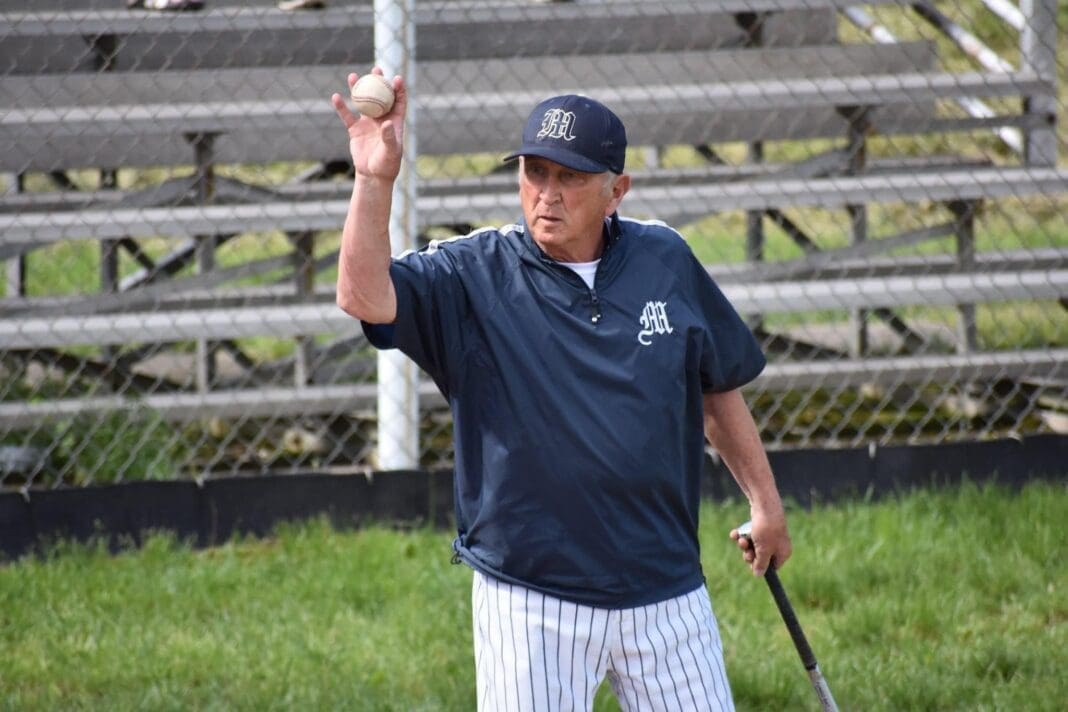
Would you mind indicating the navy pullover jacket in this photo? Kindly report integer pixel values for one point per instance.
(577, 412)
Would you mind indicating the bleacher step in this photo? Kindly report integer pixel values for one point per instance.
(271, 114)
(56, 41)
(274, 402)
(27, 230)
(289, 320)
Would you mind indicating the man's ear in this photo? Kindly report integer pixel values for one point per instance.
(622, 185)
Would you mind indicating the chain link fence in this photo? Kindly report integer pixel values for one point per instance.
(880, 188)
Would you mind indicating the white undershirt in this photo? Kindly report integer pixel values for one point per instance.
(586, 270)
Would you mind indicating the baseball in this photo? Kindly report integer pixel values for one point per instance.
(372, 95)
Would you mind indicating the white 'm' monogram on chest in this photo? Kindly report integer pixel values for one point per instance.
(654, 320)
(558, 123)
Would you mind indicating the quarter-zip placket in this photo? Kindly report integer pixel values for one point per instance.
(569, 276)
(595, 302)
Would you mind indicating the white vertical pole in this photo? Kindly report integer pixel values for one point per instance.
(398, 400)
(1007, 12)
(1038, 53)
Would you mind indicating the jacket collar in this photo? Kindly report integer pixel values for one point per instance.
(611, 234)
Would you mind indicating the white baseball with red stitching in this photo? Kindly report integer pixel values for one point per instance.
(372, 95)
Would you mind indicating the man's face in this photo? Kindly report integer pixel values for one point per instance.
(565, 209)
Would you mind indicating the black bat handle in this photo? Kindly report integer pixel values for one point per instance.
(804, 650)
(808, 658)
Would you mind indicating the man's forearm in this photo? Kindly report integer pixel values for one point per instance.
(729, 427)
(364, 287)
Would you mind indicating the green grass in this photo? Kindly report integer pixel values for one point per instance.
(951, 600)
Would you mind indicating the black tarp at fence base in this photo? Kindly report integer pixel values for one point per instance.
(214, 511)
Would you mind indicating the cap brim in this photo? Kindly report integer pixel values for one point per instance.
(565, 158)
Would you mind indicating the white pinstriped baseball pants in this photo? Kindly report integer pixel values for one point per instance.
(535, 653)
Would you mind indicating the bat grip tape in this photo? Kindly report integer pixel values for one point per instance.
(808, 658)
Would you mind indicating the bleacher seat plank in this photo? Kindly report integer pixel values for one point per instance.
(16, 6)
(478, 78)
(308, 319)
(42, 21)
(265, 402)
(61, 200)
(274, 402)
(250, 37)
(185, 293)
(24, 231)
(892, 372)
(140, 117)
(168, 327)
(939, 368)
(67, 18)
(460, 123)
(179, 295)
(836, 267)
(897, 291)
(842, 191)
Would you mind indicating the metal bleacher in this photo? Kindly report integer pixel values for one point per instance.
(89, 84)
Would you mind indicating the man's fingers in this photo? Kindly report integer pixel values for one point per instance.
(745, 545)
(756, 555)
(400, 93)
(342, 110)
(388, 134)
(783, 553)
(765, 542)
(400, 101)
(760, 560)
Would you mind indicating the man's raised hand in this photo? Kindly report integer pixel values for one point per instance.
(376, 144)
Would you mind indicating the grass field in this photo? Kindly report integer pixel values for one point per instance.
(950, 600)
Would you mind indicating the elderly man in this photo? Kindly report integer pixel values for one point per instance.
(585, 357)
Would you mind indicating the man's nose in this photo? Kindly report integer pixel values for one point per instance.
(550, 190)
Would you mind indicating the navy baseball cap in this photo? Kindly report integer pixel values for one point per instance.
(577, 132)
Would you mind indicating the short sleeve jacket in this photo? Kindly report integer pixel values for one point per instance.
(577, 412)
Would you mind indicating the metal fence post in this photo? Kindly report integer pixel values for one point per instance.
(755, 236)
(1038, 53)
(964, 212)
(398, 400)
(204, 150)
(304, 287)
(859, 125)
(15, 285)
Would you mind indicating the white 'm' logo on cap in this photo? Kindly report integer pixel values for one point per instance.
(557, 123)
